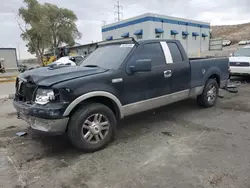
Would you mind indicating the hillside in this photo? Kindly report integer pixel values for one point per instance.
(235, 33)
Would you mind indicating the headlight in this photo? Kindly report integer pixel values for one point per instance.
(43, 96)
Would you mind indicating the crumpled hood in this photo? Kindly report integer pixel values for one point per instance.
(47, 76)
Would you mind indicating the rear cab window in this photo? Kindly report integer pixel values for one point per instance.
(175, 52)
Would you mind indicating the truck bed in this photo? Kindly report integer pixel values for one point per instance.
(198, 58)
(207, 57)
(201, 69)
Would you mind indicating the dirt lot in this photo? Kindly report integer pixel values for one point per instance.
(178, 146)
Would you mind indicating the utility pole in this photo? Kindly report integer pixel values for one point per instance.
(118, 12)
(104, 22)
(19, 55)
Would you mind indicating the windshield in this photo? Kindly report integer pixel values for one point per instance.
(245, 52)
(108, 57)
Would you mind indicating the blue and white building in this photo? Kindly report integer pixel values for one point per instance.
(194, 35)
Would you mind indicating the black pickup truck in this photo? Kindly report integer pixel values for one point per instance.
(120, 78)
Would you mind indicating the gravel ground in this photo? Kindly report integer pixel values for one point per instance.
(6, 89)
(178, 146)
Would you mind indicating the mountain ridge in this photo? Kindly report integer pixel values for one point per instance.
(235, 33)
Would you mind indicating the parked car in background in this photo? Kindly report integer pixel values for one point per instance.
(67, 60)
(244, 42)
(77, 59)
(63, 61)
(120, 78)
(240, 61)
(226, 42)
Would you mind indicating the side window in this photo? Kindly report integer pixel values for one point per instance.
(175, 52)
(151, 51)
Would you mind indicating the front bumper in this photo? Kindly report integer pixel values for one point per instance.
(55, 126)
(49, 124)
(239, 70)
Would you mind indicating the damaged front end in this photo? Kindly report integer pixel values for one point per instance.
(42, 111)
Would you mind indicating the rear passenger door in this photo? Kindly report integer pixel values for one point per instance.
(180, 69)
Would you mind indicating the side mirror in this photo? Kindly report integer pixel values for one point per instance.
(231, 55)
(141, 65)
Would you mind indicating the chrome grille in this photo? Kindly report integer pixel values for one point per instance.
(24, 91)
(239, 64)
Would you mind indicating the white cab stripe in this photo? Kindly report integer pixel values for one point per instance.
(167, 53)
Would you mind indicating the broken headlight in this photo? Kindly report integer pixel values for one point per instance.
(44, 96)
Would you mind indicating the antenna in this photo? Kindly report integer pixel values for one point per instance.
(118, 13)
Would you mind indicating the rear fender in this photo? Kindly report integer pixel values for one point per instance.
(210, 72)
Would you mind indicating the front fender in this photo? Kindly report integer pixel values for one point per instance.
(94, 94)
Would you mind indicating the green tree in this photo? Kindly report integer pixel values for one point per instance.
(47, 26)
(62, 26)
(33, 29)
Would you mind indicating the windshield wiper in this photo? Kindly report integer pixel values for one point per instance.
(91, 66)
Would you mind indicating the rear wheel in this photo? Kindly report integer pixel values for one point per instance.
(92, 127)
(210, 94)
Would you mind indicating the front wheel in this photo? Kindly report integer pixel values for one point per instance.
(92, 127)
(210, 94)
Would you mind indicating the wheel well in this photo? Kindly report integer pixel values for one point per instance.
(102, 100)
(216, 77)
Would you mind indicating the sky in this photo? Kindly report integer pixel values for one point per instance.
(92, 13)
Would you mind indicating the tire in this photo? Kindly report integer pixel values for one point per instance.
(204, 99)
(83, 121)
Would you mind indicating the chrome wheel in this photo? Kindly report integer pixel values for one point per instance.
(95, 128)
(211, 94)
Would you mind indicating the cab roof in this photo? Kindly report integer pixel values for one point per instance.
(131, 40)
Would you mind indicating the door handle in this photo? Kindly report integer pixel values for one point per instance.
(167, 73)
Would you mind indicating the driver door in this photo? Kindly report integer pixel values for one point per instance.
(140, 87)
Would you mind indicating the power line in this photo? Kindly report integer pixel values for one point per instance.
(118, 13)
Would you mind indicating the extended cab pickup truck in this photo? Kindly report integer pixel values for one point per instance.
(120, 78)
